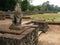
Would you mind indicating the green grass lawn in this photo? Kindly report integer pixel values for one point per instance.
(49, 17)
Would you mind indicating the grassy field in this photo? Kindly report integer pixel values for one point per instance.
(48, 17)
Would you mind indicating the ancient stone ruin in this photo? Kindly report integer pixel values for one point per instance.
(17, 33)
(28, 35)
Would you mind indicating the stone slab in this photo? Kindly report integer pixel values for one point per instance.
(18, 32)
(11, 36)
(38, 21)
(14, 36)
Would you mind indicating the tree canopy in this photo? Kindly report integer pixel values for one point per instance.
(6, 5)
(25, 5)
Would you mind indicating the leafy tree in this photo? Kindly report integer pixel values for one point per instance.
(45, 5)
(51, 7)
(31, 8)
(59, 9)
(25, 5)
(56, 8)
(6, 5)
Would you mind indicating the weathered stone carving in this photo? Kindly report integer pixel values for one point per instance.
(16, 23)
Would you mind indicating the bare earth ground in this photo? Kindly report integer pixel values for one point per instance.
(51, 37)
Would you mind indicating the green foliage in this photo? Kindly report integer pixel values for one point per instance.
(25, 5)
(45, 7)
(48, 17)
(49, 8)
(6, 5)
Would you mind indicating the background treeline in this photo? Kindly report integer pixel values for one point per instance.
(6, 5)
(45, 7)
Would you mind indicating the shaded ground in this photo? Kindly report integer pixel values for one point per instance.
(52, 37)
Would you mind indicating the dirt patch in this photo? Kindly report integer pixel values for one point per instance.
(52, 37)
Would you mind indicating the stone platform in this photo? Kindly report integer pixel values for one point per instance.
(27, 36)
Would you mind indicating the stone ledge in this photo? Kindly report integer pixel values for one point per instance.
(18, 32)
(14, 36)
(28, 37)
(11, 36)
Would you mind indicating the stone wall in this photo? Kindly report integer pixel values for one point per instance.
(6, 14)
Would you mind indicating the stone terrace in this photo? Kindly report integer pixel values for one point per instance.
(26, 36)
